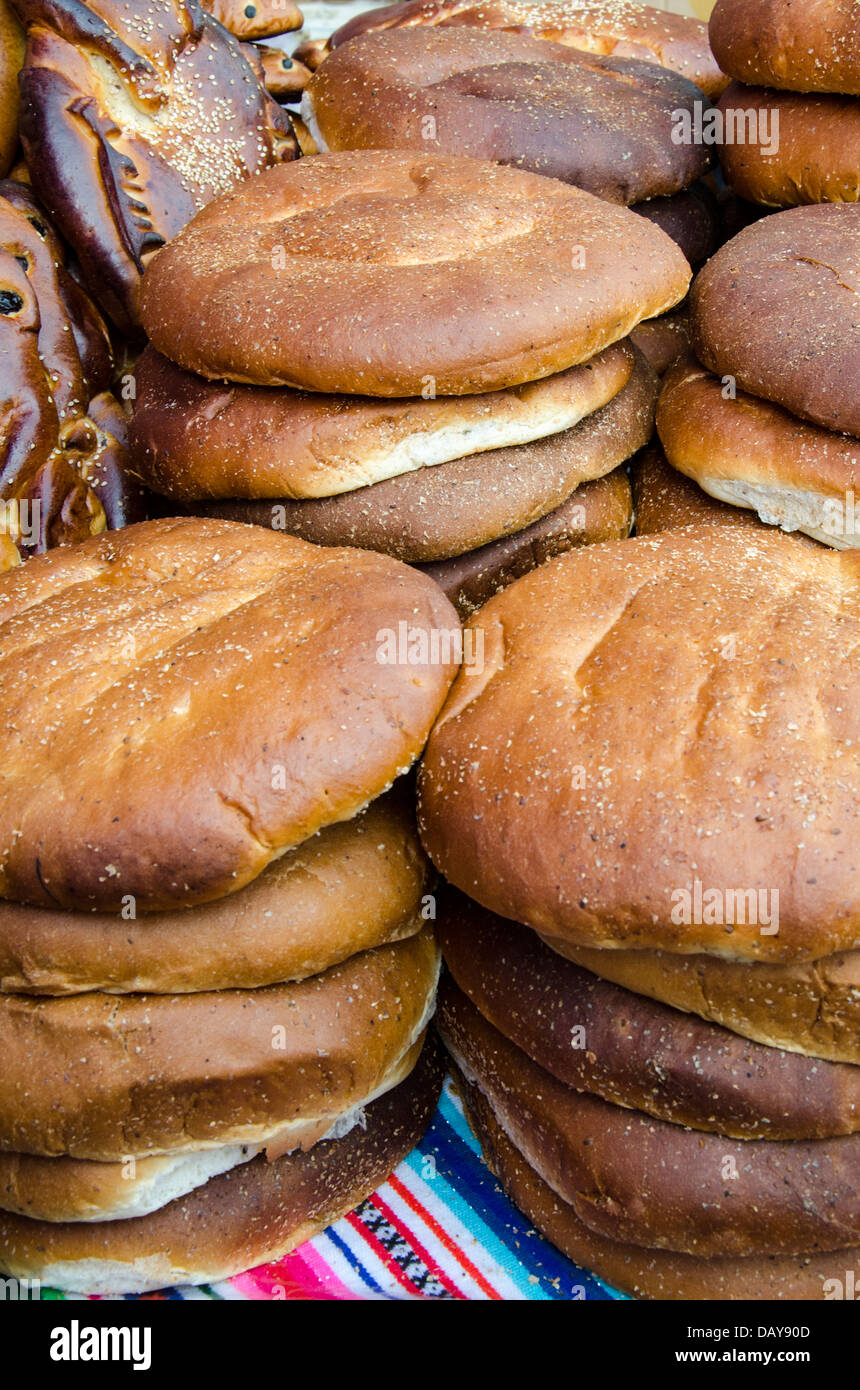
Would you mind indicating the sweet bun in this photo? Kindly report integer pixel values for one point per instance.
(139, 1075)
(642, 1273)
(598, 1037)
(457, 507)
(254, 1214)
(624, 769)
(818, 155)
(601, 510)
(471, 277)
(603, 124)
(808, 47)
(812, 1007)
(193, 439)
(776, 308)
(637, 1180)
(616, 28)
(234, 680)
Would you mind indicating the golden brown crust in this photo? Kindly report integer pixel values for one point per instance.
(776, 308)
(136, 1075)
(284, 78)
(194, 439)
(601, 510)
(636, 762)
(809, 46)
(11, 58)
(812, 1008)
(252, 1215)
(350, 888)
(666, 500)
(454, 508)
(818, 159)
(603, 124)
(597, 1037)
(132, 118)
(235, 682)
(463, 269)
(650, 1274)
(256, 19)
(619, 28)
(646, 1182)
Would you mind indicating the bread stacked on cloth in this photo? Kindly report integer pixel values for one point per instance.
(767, 414)
(657, 773)
(419, 355)
(216, 968)
(792, 116)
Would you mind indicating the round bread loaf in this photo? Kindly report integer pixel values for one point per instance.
(252, 1215)
(457, 507)
(812, 1008)
(811, 156)
(647, 1182)
(193, 439)
(80, 1189)
(777, 309)
(666, 500)
(601, 510)
(753, 454)
(664, 339)
(175, 1073)
(649, 1274)
(801, 47)
(628, 1049)
(233, 681)
(11, 58)
(619, 28)
(603, 124)
(625, 766)
(470, 277)
(350, 888)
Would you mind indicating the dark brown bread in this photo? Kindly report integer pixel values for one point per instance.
(133, 116)
(637, 760)
(598, 1037)
(691, 218)
(818, 159)
(798, 45)
(457, 507)
(777, 308)
(650, 1274)
(252, 1215)
(235, 683)
(101, 1077)
(601, 510)
(621, 28)
(645, 1182)
(664, 339)
(603, 124)
(471, 277)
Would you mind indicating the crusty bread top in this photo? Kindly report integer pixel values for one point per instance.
(604, 124)
(184, 700)
(655, 714)
(393, 274)
(622, 28)
(799, 45)
(778, 309)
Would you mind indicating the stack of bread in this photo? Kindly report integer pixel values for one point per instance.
(419, 355)
(657, 773)
(791, 118)
(216, 961)
(767, 414)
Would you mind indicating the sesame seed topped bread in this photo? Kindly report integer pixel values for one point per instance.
(796, 45)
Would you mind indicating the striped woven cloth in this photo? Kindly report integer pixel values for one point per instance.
(439, 1228)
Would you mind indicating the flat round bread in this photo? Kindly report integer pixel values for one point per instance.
(625, 767)
(471, 277)
(666, 500)
(810, 153)
(811, 47)
(232, 685)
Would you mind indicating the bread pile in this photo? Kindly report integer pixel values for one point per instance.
(216, 961)
(482, 392)
(766, 415)
(657, 773)
(794, 99)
